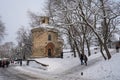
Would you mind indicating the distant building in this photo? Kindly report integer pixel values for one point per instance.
(46, 41)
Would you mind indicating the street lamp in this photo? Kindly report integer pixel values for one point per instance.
(23, 53)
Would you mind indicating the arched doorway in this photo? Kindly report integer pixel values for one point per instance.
(50, 49)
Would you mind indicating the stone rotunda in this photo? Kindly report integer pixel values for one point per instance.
(46, 40)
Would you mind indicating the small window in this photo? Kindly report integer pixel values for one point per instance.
(49, 37)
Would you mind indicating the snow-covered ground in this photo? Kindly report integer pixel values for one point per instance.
(69, 68)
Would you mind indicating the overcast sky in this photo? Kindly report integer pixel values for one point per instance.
(14, 14)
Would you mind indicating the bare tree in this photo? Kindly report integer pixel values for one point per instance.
(6, 49)
(105, 15)
(65, 18)
(86, 16)
(2, 30)
(34, 19)
(24, 39)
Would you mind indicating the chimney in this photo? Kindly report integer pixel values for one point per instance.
(44, 20)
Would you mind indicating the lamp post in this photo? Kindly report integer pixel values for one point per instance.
(20, 57)
(23, 51)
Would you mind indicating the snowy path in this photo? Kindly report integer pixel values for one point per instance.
(28, 74)
(68, 75)
(76, 71)
(8, 74)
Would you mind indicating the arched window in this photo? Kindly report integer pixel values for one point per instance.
(49, 37)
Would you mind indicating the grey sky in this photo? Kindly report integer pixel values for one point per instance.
(14, 14)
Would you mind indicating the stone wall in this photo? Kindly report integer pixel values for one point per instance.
(41, 44)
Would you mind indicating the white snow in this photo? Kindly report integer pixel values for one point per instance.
(69, 68)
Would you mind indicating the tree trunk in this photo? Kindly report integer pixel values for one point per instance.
(77, 49)
(74, 51)
(107, 51)
(101, 50)
(88, 47)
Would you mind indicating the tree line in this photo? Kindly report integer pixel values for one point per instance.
(82, 21)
